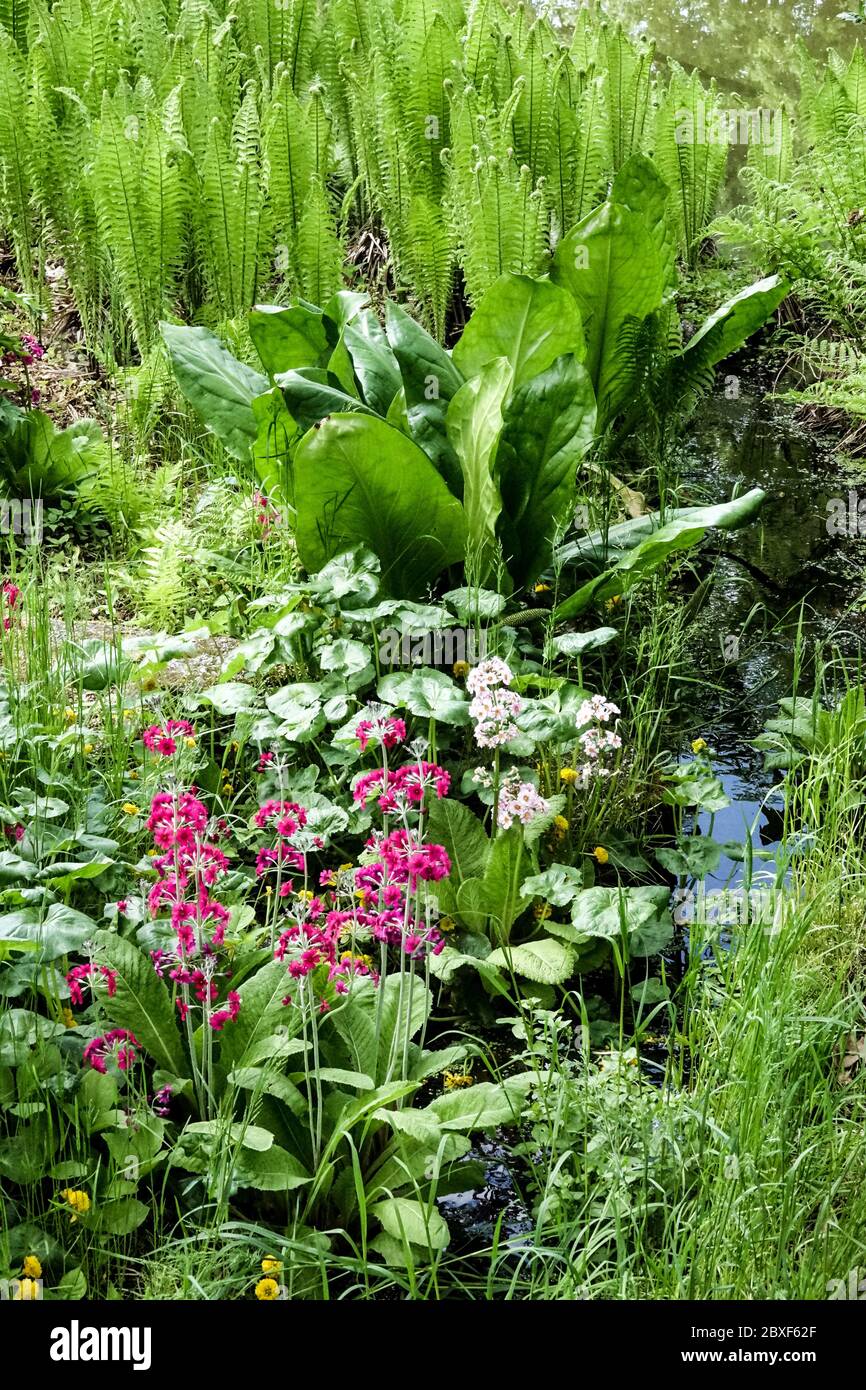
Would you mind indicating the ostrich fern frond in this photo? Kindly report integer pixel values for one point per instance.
(139, 200)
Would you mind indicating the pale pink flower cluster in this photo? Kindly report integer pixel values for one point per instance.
(596, 741)
(519, 801)
(494, 707)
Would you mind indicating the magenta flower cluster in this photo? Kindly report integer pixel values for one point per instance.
(119, 1044)
(162, 739)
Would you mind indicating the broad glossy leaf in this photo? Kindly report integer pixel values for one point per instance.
(405, 1219)
(547, 961)
(426, 692)
(474, 424)
(530, 322)
(549, 425)
(311, 393)
(141, 1003)
(430, 379)
(276, 436)
(642, 914)
(219, 387)
(359, 480)
(452, 824)
(289, 337)
(374, 364)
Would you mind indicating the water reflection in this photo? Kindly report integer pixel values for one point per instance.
(747, 45)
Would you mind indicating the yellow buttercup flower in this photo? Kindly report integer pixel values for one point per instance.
(271, 1265)
(132, 775)
(446, 924)
(88, 747)
(32, 1267)
(189, 741)
(129, 809)
(698, 745)
(306, 894)
(267, 1290)
(568, 775)
(601, 854)
(227, 789)
(69, 714)
(542, 588)
(69, 1018)
(461, 670)
(78, 1201)
(453, 1080)
(129, 714)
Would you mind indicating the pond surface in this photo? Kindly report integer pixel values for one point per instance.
(787, 571)
(791, 572)
(746, 45)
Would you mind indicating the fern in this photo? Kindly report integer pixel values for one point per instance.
(139, 203)
(689, 159)
(232, 201)
(16, 205)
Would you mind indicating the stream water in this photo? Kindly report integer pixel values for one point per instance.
(788, 570)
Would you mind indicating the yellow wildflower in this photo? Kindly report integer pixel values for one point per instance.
(132, 775)
(541, 911)
(601, 854)
(227, 789)
(129, 714)
(78, 1201)
(189, 741)
(27, 1291)
(235, 746)
(453, 1080)
(342, 868)
(698, 745)
(306, 894)
(69, 1018)
(271, 1265)
(267, 1290)
(568, 775)
(32, 1267)
(269, 891)
(69, 714)
(446, 924)
(460, 670)
(129, 808)
(542, 588)
(88, 747)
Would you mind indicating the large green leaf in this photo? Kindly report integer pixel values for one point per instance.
(217, 385)
(549, 425)
(359, 480)
(726, 330)
(276, 436)
(616, 264)
(595, 549)
(405, 1219)
(494, 902)
(547, 962)
(374, 364)
(682, 533)
(429, 693)
(430, 379)
(61, 930)
(453, 825)
(287, 338)
(474, 424)
(641, 914)
(311, 393)
(530, 322)
(141, 1003)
